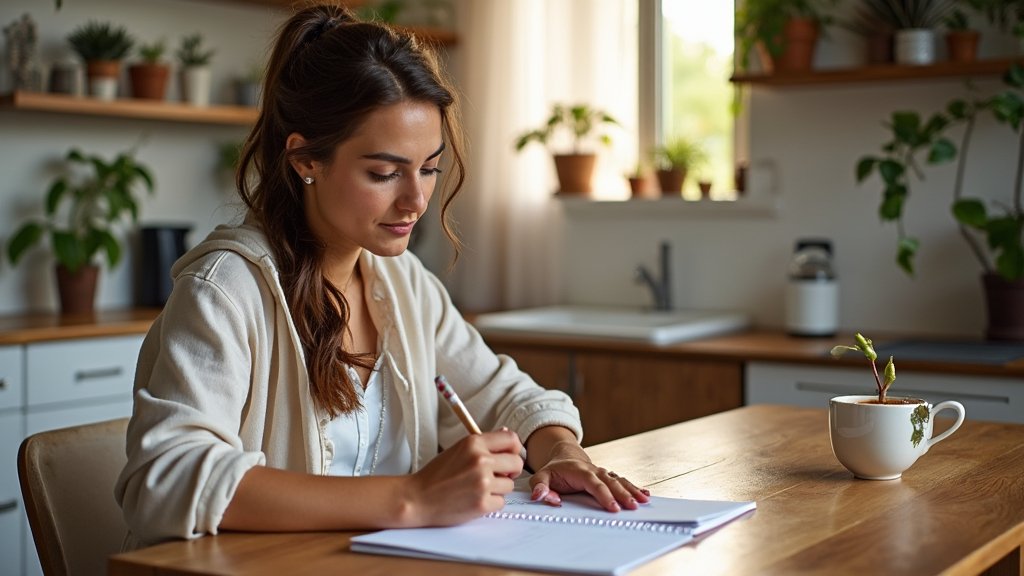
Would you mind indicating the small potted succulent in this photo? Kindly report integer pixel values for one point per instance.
(102, 46)
(195, 70)
(572, 129)
(78, 233)
(149, 77)
(878, 437)
(674, 160)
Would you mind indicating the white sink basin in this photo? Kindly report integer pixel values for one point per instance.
(658, 327)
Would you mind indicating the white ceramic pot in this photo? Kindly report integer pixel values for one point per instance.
(103, 88)
(195, 85)
(880, 441)
(914, 46)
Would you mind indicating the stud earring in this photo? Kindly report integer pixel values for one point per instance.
(308, 179)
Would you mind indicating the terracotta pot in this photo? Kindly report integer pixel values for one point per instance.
(879, 48)
(671, 181)
(962, 45)
(574, 173)
(149, 81)
(77, 289)
(102, 78)
(1004, 301)
(705, 189)
(637, 186)
(799, 39)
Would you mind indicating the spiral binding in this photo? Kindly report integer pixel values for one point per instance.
(602, 522)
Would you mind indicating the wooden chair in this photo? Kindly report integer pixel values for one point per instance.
(67, 481)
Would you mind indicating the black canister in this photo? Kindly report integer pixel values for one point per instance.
(161, 246)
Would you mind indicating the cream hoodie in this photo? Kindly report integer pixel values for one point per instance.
(221, 384)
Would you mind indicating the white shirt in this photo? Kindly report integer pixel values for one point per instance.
(377, 431)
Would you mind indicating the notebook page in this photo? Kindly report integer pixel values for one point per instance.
(531, 545)
(659, 509)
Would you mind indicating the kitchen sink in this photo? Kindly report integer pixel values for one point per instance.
(632, 324)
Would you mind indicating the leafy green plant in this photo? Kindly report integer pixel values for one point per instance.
(762, 22)
(1002, 251)
(152, 53)
(679, 154)
(956, 20)
(865, 346)
(907, 14)
(96, 40)
(579, 121)
(97, 202)
(191, 51)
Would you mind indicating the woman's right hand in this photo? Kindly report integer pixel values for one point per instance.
(465, 481)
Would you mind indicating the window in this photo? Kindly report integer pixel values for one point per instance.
(686, 51)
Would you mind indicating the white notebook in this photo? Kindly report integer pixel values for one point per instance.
(578, 537)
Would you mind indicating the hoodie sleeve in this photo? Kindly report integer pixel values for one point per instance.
(491, 385)
(185, 456)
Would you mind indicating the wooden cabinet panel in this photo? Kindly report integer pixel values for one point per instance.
(551, 368)
(624, 394)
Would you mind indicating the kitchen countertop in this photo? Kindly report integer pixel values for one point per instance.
(763, 345)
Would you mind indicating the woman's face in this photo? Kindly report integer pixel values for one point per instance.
(378, 182)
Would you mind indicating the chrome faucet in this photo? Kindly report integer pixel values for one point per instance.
(661, 287)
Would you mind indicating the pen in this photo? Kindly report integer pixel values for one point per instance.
(445, 389)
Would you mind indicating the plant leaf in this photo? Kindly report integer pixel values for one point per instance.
(864, 167)
(905, 252)
(53, 196)
(970, 212)
(1010, 263)
(943, 150)
(26, 236)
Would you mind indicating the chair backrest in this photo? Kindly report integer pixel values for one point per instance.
(67, 481)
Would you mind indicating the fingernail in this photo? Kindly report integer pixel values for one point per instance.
(645, 491)
(616, 507)
(553, 499)
(539, 492)
(632, 501)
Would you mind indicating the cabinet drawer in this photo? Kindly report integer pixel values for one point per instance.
(12, 430)
(73, 370)
(983, 397)
(12, 379)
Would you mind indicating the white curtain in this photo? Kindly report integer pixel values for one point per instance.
(515, 58)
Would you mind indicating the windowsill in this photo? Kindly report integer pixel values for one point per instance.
(758, 206)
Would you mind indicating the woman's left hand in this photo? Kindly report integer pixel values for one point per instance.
(570, 470)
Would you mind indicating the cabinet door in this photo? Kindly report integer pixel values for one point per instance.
(12, 512)
(551, 368)
(624, 394)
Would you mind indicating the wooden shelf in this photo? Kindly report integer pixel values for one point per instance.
(129, 108)
(884, 73)
(433, 35)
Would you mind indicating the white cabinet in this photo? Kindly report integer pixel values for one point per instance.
(49, 385)
(991, 398)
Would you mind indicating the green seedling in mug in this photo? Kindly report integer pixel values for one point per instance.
(865, 346)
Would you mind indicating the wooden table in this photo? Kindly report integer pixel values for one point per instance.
(958, 510)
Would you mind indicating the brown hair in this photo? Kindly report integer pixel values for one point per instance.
(326, 73)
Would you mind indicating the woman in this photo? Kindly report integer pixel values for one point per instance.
(288, 383)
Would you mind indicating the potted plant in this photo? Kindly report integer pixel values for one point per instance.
(149, 77)
(914, 23)
(195, 70)
(876, 30)
(247, 86)
(783, 32)
(102, 46)
(877, 437)
(674, 160)
(578, 124)
(95, 203)
(637, 178)
(994, 237)
(961, 39)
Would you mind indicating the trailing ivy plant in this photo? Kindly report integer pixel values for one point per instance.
(95, 204)
(993, 235)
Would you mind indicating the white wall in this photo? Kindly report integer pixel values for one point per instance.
(814, 136)
(183, 156)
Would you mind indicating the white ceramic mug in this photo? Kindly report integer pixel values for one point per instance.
(880, 441)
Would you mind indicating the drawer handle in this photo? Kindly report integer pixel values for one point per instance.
(840, 389)
(82, 375)
(3, 383)
(8, 506)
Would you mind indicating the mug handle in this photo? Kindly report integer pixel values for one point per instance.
(960, 413)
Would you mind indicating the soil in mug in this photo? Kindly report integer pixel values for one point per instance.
(894, 401)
